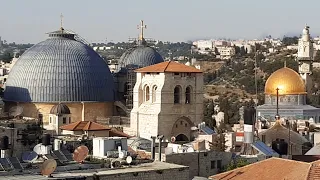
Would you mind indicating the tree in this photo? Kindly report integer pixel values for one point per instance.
(290, 40)
(317, 56)
(219, 141)
(242, 51)
(236, 163)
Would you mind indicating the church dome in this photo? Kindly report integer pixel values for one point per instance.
(60, 109)
(287, 80)
(141, 56)
(60, 69)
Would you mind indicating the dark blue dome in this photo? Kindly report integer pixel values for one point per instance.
(60, 69)
(141, 56)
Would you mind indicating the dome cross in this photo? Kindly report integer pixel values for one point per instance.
(142, 26)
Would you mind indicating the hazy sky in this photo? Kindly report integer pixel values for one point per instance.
(25, 21)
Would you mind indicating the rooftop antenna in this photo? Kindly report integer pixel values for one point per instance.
(61, 22)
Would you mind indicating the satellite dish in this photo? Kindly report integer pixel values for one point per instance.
(15, 111)
(173, 139)
(121, 154)
(80, 154)
(30, 156)
(39, 149)
(193, 128)
(48, 167)
(129, 159)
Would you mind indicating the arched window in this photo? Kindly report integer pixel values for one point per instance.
(177, 94)
(188, 95)
(154, 95)
(147, 93)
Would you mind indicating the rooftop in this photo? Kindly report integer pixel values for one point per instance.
(169, 66)
(147, 167)
(85, 126)
(272, 168)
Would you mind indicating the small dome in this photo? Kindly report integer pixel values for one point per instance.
(141, 56)
(287, 80)
(60, 109)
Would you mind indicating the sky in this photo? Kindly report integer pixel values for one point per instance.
(27, 21)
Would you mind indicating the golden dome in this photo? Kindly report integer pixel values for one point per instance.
(287, 80)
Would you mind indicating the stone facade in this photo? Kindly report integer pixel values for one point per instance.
(160, 109)
(203, 164)
(89, 111)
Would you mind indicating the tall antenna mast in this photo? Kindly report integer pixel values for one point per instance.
(61, 22)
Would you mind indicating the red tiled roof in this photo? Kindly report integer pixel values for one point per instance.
(85, 126)
(116, 133)
(272, 168)
(169, 66)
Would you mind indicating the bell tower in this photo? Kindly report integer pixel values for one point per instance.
(305, 57)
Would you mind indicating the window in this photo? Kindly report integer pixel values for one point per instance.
(154, 97)
(177, 95)
(219, 164)
(188, 95)
(50, 121)
(117, 143)
(64, 120)
(69, 120)
(147, 93)
(213, 164)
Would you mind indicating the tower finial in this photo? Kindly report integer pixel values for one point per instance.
(61, 21)
(285, 63)
(141, 27)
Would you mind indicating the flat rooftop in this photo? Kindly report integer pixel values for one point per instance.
(155, 166)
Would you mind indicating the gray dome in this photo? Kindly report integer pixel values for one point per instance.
(60, 69)
(60, 109)
(141, 56)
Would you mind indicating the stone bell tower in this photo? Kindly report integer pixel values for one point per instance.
(305, 57)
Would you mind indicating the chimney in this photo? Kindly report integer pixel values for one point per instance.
(160, 143)
(249, 119)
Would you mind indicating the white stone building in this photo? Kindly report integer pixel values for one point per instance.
(167, 100)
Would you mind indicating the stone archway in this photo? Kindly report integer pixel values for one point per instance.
(181, 129)
(182, 137)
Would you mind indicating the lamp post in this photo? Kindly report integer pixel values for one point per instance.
(277, 114)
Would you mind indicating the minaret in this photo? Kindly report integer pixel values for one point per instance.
(305, 57)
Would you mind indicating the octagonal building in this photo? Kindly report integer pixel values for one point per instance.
(61, 69)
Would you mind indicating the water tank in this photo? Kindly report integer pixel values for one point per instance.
(46, 139)
(4, 142)
(280, 146)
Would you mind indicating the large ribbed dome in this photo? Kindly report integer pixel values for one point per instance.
(60, 69)
(141, 56)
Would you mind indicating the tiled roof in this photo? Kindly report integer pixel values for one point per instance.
(85, 126)
(116, 133)
(272, 168)
(169, 66)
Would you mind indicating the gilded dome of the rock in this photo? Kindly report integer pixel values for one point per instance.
(287, 80)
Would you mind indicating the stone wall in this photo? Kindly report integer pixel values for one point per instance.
(92, 110)
(202, 164)
(166, 174)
